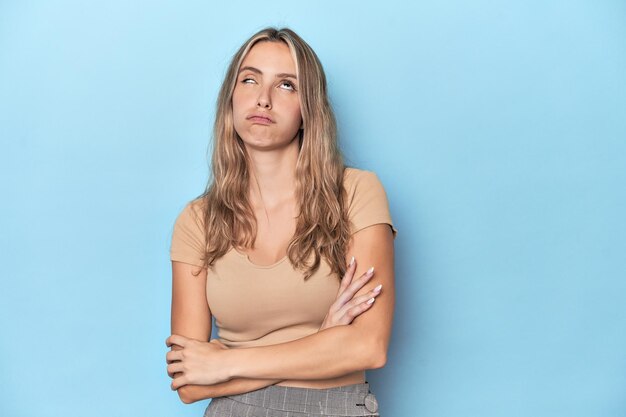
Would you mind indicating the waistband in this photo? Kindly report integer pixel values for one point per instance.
(346, 400)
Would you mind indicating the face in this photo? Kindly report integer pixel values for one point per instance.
(266, 104)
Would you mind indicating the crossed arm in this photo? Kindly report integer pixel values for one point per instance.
(331, 352)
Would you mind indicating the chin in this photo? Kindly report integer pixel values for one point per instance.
(266, 143)
(260, 144)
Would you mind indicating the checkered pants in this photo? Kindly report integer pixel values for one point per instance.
(279, 401)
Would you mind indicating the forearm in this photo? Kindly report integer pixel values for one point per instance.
(192, 393)
(329, 353)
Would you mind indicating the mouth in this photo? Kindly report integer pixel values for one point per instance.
(260, 118)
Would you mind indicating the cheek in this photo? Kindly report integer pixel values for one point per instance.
(296, 114)
(240, 107)
(236, 102)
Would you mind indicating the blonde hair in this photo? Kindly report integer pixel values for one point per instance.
(322, 228)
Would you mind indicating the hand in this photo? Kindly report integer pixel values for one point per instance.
(176, 347)
(196, 362)
(346, 307)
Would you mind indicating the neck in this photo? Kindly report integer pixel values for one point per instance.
(272, 175)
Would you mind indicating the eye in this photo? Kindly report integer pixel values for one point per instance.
(248, 80)
(287, 85)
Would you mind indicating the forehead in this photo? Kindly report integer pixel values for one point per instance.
(270, 57)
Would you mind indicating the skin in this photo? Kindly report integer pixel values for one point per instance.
(348, 342)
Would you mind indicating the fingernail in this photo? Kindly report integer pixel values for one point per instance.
(351, 261)
(370, 301)
(378, 288)
(370, 271)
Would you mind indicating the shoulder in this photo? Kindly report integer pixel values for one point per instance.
(362, 185)
(188, 236)
(355, 179)
(192, 213)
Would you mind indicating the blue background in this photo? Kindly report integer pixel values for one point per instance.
(497, 128)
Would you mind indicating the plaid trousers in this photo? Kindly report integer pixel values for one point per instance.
(280, 401)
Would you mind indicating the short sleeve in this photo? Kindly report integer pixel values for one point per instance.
(188, 236)
(367, 201)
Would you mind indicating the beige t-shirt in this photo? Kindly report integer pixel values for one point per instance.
(263, 305)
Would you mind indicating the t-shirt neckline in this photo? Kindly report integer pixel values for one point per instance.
(248, 261)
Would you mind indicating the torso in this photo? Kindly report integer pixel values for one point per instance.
(259, 298)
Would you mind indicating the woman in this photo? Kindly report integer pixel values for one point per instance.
(267, 249)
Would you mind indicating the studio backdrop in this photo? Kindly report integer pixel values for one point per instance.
(497, 128)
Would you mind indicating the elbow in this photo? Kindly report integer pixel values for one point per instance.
(192, 393)
(377, 355)
(373, 353)
(185, 395)
(379, 359)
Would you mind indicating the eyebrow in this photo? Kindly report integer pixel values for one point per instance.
(258, 71)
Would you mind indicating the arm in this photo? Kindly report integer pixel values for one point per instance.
(338, 350)
(192, 393)
(191, 317)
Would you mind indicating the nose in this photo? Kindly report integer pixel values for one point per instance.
(264, 99)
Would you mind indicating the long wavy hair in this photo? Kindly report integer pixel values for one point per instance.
(322, 229)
